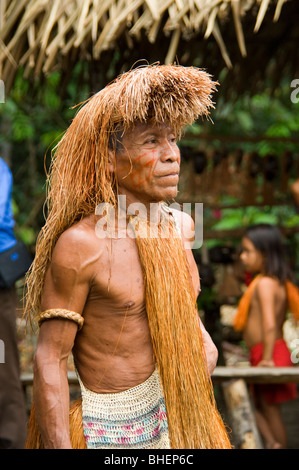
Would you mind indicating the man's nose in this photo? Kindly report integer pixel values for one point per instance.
(170, 152)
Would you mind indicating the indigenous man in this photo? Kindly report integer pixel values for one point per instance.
(121, 300)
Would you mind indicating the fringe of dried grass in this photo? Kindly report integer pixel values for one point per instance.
(193, 419)
(34, 439)
(79, 178)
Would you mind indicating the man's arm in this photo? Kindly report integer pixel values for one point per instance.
(210, 348)
(51, 389)
(66, 287)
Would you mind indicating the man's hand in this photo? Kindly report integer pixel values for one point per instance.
(210, 349)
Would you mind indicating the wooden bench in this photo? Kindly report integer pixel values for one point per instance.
(233, 381)
(264, 375)
(223, 374)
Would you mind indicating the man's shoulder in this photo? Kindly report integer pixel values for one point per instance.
(79, 233)
(185, 223)
(77, 242)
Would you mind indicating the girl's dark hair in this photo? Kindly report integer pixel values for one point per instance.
(268, 240)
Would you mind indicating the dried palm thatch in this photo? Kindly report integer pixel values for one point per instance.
(40, 35)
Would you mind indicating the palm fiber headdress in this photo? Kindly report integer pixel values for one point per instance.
(79, 180)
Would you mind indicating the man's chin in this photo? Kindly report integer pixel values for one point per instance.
(169, 194)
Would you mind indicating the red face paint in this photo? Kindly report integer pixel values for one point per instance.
(148, 165)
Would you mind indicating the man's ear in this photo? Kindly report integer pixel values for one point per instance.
(111, 161)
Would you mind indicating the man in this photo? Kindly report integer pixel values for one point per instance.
(108, 291)
(12, 402)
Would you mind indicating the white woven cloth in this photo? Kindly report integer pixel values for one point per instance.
(132, 419)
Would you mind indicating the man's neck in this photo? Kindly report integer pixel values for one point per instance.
(146, 210)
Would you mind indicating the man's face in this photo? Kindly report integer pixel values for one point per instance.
(147, 168)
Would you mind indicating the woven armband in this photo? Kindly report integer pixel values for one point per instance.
(61, 313)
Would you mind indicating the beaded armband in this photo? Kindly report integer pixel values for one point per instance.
(61, 313)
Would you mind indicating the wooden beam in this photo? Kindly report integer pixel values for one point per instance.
(265, 375)
(242, 415)
(239, 138)
(289, 202)
(238, 232)
(223, 374)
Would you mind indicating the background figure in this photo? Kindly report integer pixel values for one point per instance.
(295, 192)
(261, 315)
(12, 400)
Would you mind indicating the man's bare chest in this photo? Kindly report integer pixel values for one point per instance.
(118, 276)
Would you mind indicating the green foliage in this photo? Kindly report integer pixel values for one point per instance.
(27, 234)
(35, 117)
(268, 115)
(262, 115)
(242, 217)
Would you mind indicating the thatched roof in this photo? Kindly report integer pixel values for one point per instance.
(241, 35)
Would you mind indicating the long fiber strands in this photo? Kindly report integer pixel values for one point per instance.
(79, 178)
(193, 419)
(34, 438)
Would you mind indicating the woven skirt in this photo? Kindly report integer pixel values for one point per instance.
(132, 419)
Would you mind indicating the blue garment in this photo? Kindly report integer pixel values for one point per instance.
(7, 238)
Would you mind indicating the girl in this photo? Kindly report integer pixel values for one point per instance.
(261, 315)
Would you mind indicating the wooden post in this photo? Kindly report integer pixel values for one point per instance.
(240, 409)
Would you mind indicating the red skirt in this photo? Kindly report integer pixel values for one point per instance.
(274, 393)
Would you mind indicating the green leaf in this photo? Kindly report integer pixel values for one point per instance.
(27, 235)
